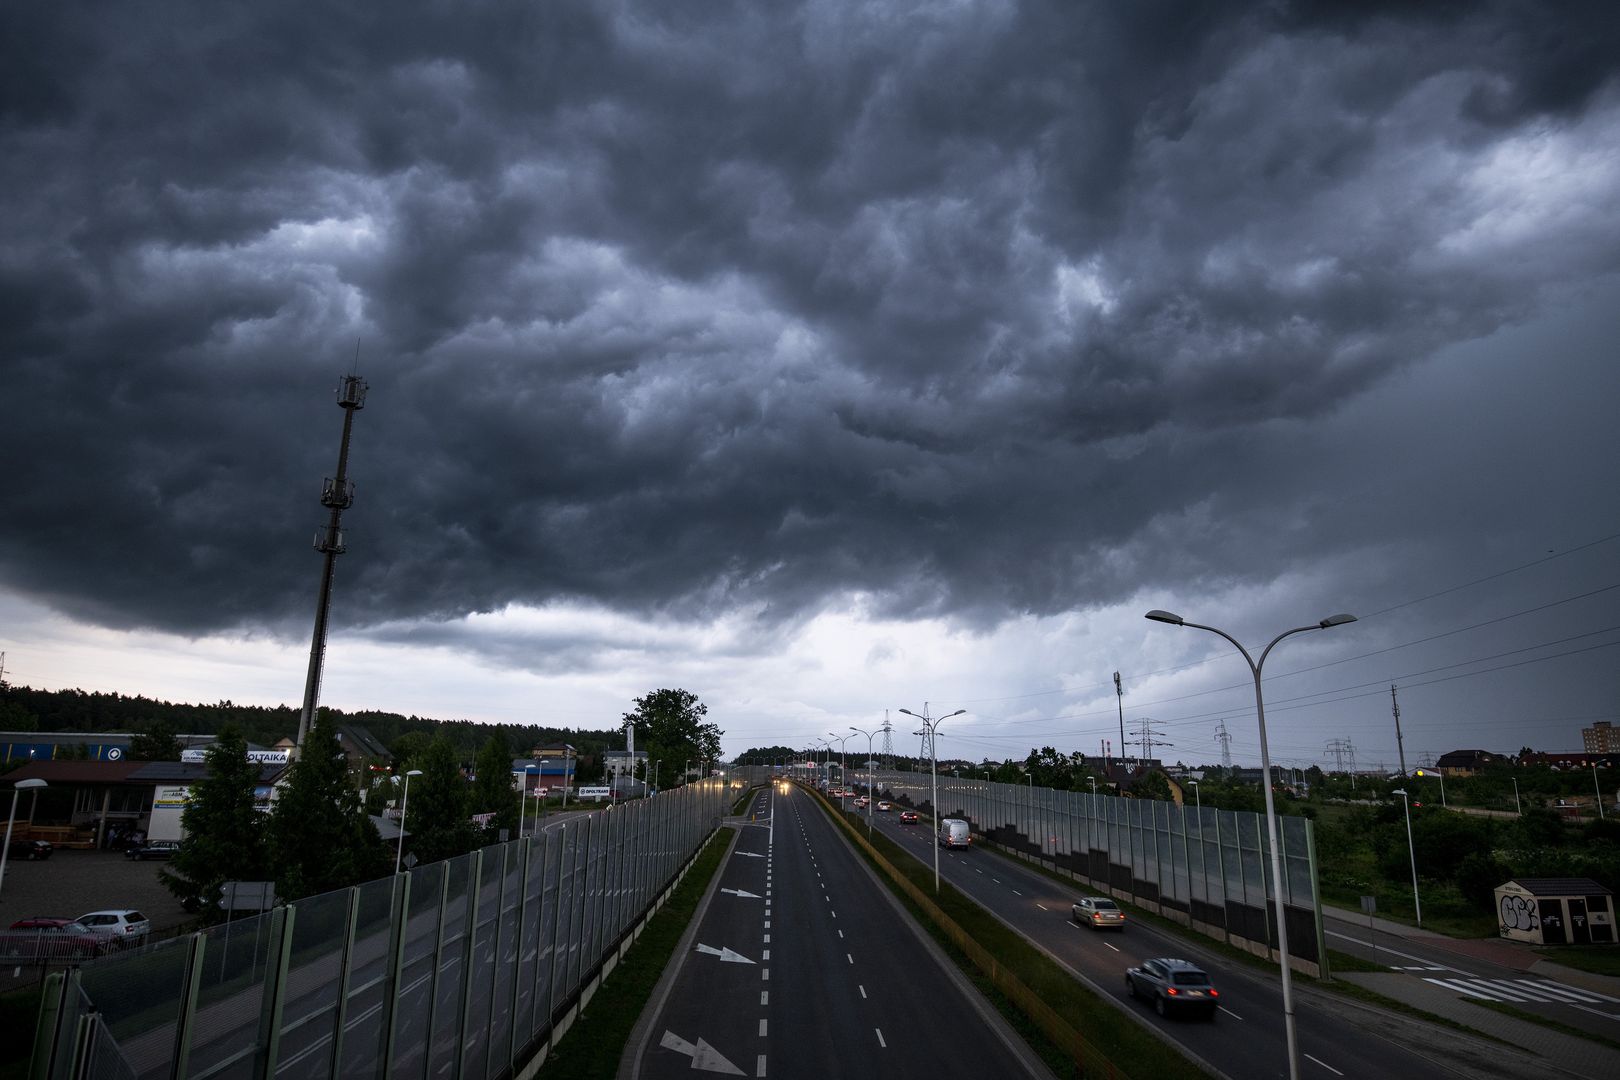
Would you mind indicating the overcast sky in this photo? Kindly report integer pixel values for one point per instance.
(824, 359)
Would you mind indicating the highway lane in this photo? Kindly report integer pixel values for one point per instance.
(829, 978)
(1246, 1040)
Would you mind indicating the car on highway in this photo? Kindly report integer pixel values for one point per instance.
(1098, 912)
(30, 849)
(862, 801)
(1174, 986)
(955, 833)
(122, 928)
(908, 817)
(152, 849)
(885, 806)
(43, 939)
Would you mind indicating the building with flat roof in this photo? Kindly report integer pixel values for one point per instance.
(1600, 738)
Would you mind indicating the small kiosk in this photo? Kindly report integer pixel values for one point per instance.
(1555, 911)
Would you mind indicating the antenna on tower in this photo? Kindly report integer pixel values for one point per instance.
(337, 495)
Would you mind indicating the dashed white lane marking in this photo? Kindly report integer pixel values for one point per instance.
(759, 1070)
(840, 933)
(1229, 1012)
(767, 939)
(1015, 892)
(765, 974)
(764, 997)
(1042, 906)
(1115, 948)
(976, 870)
(1325, 1065)
(767, 955)
(862, 989)
(850, 957)
(762, 1024)
(880, 1038)
(767, 924)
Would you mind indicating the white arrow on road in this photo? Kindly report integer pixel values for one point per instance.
(744, 893)
(750, 854)
(725, 954)
(703, 1055)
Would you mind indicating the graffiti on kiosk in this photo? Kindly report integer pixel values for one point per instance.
(1519, 913)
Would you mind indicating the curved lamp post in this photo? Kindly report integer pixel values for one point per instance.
(404, 802)
(17, 789)
(843, 758)
(933, 771)
(1271, 805)
(869, 776)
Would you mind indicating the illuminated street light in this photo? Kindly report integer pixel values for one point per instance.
(933, 770)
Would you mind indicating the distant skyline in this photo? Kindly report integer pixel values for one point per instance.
(824, 361)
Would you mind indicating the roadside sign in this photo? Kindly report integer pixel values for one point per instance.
(1369, 905)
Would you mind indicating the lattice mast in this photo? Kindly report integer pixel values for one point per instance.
(337, 495)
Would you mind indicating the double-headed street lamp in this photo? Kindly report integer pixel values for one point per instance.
(933, 770)
(17, 789)
(1271, 804)
(1412, 851)
(843, 758)
(869, 776)
(404, 802)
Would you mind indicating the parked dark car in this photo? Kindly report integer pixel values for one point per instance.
(42, 940)
(1174, 986)
(153, 849)
(31, 849)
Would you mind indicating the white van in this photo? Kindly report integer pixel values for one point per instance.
(954, 833)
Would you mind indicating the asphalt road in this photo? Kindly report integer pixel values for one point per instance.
(1246, 1039)
(804, 967)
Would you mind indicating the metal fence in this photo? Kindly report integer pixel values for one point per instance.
(465, 968)
(1207, 869)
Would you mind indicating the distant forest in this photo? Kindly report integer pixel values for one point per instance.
(23, 708)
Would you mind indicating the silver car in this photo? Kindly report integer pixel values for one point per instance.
(122, 928)
(1099, 913)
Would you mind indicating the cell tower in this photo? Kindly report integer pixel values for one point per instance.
(888, 743)
(337, 496)
(1224, 737)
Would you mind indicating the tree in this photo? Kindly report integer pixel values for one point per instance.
(669, 725)
(1152, 785)
(319, 837)
(492, 790)
(155, 742)
(224, 829)
(436, 819)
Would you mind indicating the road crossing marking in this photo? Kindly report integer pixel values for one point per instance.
(1522, 990)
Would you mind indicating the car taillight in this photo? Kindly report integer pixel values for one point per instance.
(1096, 916)
(1214, 992)
(1172, 991)
(1122, 916)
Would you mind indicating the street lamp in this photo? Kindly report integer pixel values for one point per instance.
(1517, 808)
(1198, 798)
(869, 776)
(404, 802)
(933, 771)
(1271, 804)
(843, 758)
(1093, 780)
(1442, 776)
(1412, 851)
(17, 789)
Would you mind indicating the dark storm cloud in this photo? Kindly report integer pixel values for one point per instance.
(695, 308)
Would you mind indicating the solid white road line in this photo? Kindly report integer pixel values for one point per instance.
(1324, 1065)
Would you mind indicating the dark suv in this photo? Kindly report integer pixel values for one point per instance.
(1174, 986)
(30, 849)
(152, 849)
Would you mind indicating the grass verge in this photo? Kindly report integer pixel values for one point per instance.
(1096, 1019)
(741, 802)
(1597, 959)
(593, 1046)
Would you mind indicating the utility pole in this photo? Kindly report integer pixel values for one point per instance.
(888, 744)
(1400, 745)
(337, 495)
(1224, 737)
(1147, 741)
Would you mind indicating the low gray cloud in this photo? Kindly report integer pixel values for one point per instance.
(972, 310)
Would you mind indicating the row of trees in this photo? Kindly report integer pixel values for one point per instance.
(318, 834)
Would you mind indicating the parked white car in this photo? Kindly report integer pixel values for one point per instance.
(123, 928)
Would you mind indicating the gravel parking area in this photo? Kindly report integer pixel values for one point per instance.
(71, 883)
